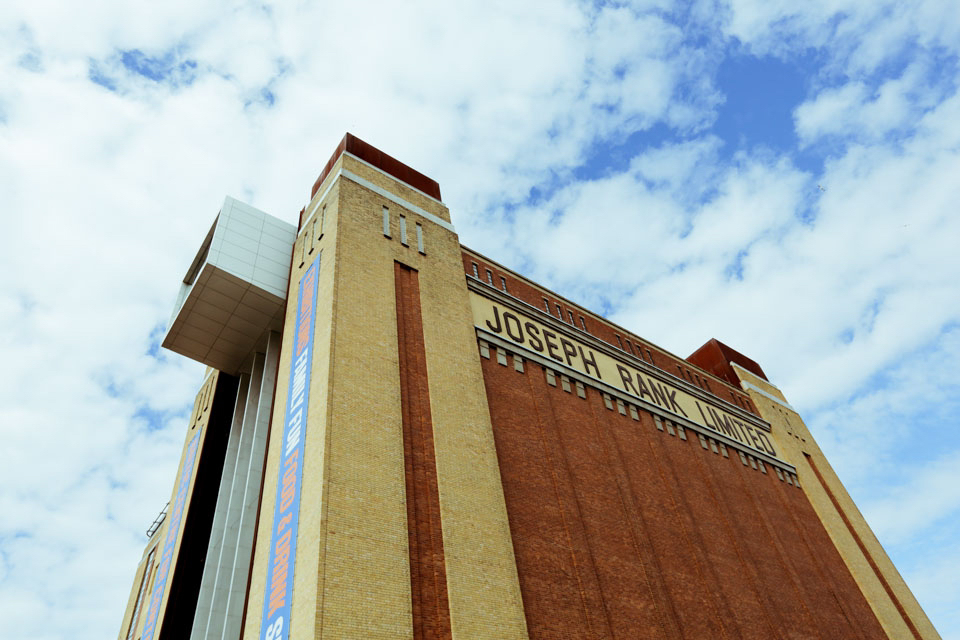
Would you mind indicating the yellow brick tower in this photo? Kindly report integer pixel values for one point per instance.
(888, 595)
(383, 250)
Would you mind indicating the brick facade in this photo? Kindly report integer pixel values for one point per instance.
(459, 485)
(624, 531)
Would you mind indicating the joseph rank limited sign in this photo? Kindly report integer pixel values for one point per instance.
(528, 334)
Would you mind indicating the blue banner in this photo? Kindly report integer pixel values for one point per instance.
(173, 530)
(278, 590)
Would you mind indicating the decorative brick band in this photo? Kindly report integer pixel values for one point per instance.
(428, 578)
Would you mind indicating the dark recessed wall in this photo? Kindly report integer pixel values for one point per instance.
(185, 585)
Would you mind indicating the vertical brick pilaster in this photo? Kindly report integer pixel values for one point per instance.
(428, 580)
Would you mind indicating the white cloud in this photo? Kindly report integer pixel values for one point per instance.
(933, 579)
(929, 496)
(892, 427)
(860, 37)
(833, 111)
(852, 110)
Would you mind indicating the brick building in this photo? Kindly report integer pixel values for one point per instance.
(398, 437)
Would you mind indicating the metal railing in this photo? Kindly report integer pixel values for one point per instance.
(152, 529)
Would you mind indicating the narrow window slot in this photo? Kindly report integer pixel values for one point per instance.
(420, 239)
(403, 230)
(386, 221)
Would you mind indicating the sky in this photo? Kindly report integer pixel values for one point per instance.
(782, 176)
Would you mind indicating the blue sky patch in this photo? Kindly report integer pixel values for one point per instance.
(609, 156)
(262, 98)
(761, 95)
(156, 337)
(734, 270)
(31, 61)
(98, 75)
(168, 67)
(153, 419)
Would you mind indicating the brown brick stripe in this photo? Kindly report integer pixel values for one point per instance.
(863, 549)
(428, 579)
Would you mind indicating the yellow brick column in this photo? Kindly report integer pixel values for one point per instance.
(363, 572)
(869, 564)
(483, 590)
(314, 242)
(352, 571)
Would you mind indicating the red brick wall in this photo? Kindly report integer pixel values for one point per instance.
(428, 580)
(624, 531)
